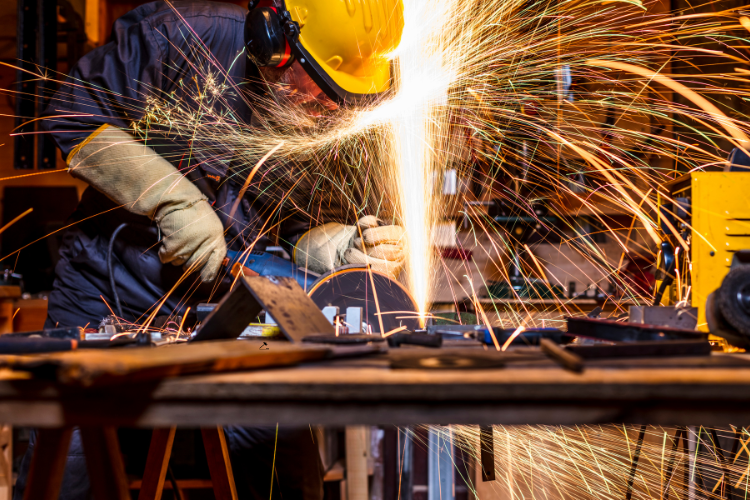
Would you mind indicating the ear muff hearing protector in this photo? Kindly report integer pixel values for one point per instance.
(272, 39)
(265, 39)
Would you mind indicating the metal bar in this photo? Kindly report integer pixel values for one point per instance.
(670, 466)
(634, 467)
(487, 452)
(722, 461)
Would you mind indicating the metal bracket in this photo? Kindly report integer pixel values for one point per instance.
(295, 313)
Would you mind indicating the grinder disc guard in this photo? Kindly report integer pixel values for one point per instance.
(352, 286)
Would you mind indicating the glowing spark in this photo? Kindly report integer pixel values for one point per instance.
(739, 136)
(513, 336)
(16, 219)
(395, 330)
(182, 322)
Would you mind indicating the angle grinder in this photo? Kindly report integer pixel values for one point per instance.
(385, 303)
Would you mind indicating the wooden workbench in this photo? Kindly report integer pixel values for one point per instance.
(368, 391)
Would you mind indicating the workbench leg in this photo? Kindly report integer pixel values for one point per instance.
(104, 463)
(48, 464)
(219, 464)
(6, 462)
(356, 462)
(157, 463)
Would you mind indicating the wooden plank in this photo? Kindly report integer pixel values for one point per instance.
(104, 463)
(48, 464)
(219, 465)
(354, 391)
(87, 367)
(6, 462)
(157, 463)
(357, 447)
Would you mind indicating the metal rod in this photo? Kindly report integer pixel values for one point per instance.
(634, 467)
(670, 466)
(487, 452)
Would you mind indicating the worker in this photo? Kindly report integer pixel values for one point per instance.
(175, 202)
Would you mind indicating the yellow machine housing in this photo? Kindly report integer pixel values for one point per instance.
(720, 219)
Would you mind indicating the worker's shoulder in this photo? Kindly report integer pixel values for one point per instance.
(191, 12)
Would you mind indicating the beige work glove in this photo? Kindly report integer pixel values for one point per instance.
(331, 245)
(135, 176)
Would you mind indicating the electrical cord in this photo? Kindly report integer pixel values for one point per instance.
(118, 306)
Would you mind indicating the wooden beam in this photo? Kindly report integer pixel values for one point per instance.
(48, 464)
(356, 462)
(157, 463)
(104, 463)
(219, 464)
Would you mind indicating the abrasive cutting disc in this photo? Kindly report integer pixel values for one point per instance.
(352, 286)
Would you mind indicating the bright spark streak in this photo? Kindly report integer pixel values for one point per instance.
(423, 78)
(515, 334)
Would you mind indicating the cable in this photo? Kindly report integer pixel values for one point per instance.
(118, 306)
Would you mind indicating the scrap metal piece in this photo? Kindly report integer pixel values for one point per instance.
(295, 313)
(675, 317)
(354, 319)
(480, 333)
(662, 348)
(412, 338)
(345, 339)
(568, 360)
(487, 452)
(602, 329)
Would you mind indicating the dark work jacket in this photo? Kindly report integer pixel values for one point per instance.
(156, 50)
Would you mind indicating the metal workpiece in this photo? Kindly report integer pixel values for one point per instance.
(614, 331)
(296, 315)
(675, 317)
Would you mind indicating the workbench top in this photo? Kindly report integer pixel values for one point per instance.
(712, 390)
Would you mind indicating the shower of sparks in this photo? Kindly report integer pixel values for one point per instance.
(484, 81)
(596, 461)
(559, 111)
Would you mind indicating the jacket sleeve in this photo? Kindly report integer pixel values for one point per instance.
(107, 86)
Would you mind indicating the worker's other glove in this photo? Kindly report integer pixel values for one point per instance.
(331, 245)
(137, 177)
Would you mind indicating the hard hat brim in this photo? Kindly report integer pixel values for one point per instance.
(326, 83)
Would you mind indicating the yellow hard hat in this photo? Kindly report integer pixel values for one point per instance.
(344, 44)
